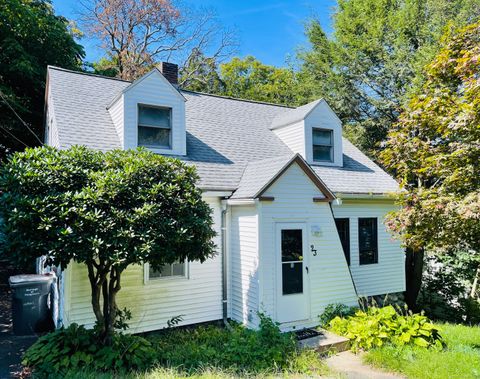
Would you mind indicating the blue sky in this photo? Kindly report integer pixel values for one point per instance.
(269, 30)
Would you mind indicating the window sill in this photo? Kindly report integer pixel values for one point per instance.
(166, 279)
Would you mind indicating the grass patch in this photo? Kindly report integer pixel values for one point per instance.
(460, 358)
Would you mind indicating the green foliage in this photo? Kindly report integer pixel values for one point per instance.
(122, 207)
(106, 210)
(446, 287)
(31, 37)
(248, 78)
(377, 327)
(458, 360)
(76, 348)
(434, 151)
(374, 59)
(200, 352)
(333, 310)
(240, 349)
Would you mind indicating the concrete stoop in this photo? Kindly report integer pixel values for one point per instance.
(326, 342)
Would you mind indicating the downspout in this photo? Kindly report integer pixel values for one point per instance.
(223, 231)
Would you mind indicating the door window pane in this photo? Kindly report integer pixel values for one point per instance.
(343, 228)
(292, 261)
(292, 278)
(292, 248)
(367, 240)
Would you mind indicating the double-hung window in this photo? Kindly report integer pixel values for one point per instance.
(322, 145)
(154, 127)
(177, 269)
(368, 240)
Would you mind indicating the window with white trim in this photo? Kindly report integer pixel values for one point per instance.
(154, 127)
(177, 269)
(322, 145)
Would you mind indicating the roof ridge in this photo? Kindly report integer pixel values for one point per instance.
(238, 99)
(87, 73)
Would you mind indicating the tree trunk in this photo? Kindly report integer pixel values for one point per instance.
(473, 292)
(105, 284)
(413, 276)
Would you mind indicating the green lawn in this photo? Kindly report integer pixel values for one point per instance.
(460, 359)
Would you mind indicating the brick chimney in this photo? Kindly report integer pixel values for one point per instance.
(170, 71)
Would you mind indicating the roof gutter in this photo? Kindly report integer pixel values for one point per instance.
(365, 196)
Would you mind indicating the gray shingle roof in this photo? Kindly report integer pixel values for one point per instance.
(223, 134)
(258, 173)
(293, 115)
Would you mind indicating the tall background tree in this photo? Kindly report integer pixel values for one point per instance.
(31, 37)
(435, 151)
(248, 78)
(374, 59)
(138, 34)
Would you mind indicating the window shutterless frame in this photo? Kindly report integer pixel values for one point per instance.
(150, 126)
(147, 278)
(324, 145)
(368, 240)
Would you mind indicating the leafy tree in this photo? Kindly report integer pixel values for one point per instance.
(249, 78)
(106, 210)
(31, 37)
(138, 34)
(435, 151)
(374, 59)
(200, 73)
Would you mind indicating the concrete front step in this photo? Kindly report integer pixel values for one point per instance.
(326, 342)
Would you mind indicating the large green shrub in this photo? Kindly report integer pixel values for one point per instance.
(376, 327)
(107, 210)
(75, 348)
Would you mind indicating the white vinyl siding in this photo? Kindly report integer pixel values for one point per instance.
(197, 298)
(329, 278)
(293, 136)
(386, 276)
(51, 133)
(117, 114)
(244, 264)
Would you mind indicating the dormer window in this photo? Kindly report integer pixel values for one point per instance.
(322, 145)
(154, 127)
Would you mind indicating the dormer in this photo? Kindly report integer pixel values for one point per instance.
(314, 131)
(150, 112)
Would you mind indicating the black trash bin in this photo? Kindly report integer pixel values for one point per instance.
(31, 310)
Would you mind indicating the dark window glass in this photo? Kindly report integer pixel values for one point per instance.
(292, 278)
(175, 269)
(292, 261)
(154, 127)
(322, 145)
(343, 228)
(367, 240)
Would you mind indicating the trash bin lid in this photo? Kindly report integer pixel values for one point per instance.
(28, 279)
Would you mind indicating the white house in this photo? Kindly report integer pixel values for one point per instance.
(298, 209)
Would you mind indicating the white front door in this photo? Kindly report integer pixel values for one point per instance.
(292, 272)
